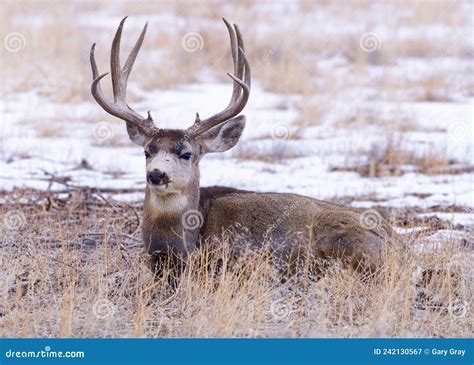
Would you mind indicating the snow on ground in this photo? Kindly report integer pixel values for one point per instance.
(89, 151)
(26, 157)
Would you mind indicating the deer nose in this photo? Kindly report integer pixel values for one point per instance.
(156, 177)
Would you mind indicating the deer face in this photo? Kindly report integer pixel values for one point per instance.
(172, 156)
(171, 162)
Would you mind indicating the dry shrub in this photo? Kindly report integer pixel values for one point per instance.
(74, 269)
(436, 88)
(391, 159)
(394, 157)
(312, 111)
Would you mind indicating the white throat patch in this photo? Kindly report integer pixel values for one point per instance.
(167, 204)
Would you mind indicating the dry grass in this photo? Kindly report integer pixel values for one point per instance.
(71, 271)
(436, 88)
(311, 112)
(48, 131)
(395, 157)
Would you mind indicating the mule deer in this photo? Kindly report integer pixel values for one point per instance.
(179, 215)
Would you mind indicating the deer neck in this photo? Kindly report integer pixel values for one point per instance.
(164, 227)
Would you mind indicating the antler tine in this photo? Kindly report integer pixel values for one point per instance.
(95, 87)
(119, 107)
(234, 44)
(245, 84)
(115, 69)
(127, 68)
(241, 85)
(244, 58)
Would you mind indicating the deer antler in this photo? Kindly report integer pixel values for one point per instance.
(119, 107)
(240, 91)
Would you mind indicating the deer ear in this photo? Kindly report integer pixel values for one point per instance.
(223, 137)
(137, 135)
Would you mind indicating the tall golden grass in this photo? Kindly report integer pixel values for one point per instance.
(70, 269)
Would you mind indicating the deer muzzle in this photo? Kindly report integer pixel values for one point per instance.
(157, 177)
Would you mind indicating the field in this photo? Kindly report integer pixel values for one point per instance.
(366, 104)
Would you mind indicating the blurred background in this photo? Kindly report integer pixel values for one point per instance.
(363, 102)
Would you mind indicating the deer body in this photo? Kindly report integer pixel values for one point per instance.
(287, 222)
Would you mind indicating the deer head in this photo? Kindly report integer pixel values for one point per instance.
(173, 155)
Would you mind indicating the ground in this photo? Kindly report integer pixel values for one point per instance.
(363, 104)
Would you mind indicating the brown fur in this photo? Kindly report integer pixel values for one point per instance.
(290, 221)
(293, 226)
(289, 225)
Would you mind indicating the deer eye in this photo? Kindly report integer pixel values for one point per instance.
(186, 156)
(147, 155)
